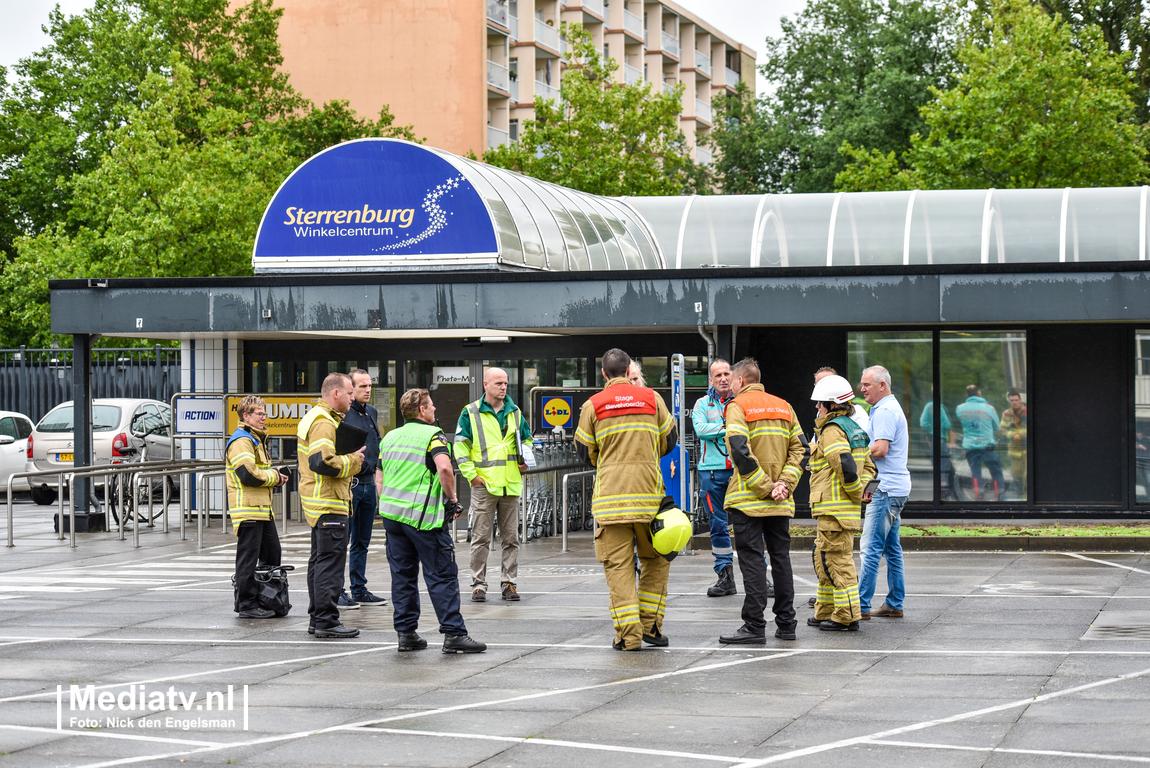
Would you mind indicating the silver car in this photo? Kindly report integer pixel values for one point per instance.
(117, 424)
(15, 429)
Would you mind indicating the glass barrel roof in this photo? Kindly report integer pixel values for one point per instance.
(990, 226)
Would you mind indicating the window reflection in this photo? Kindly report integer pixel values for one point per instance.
(984, 377)
(1142, 417)
(908, 357)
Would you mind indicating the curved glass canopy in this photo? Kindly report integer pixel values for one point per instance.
(993, 226)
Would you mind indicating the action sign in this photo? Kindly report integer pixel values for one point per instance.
(199, 416)
(559, 412)
(284, 412)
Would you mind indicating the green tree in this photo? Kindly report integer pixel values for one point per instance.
(1030, 109)
(602, 137)
(843, 70)
(740, 140)
(158, 204)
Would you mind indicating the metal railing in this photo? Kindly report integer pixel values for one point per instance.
(65, 480)
(547, 35)
(632, 75)
(582, 475)
(633, 23)
(671, 44)
(497, 75)
(702, 62)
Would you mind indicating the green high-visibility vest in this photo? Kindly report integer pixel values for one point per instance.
(410, 492)
(497, 459)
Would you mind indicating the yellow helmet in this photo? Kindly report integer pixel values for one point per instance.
(670, 531)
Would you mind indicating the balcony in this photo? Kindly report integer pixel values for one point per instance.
(496, 137)
(633, 23)
(703, 63)
(669, 88)
(497, 76)
(671, 44)
(497, 11)
(513, 25)
(702, 110)
(590, 6)
(546, 35)
(563, 49)
(732, 77)
(703, 156)
(545, 91)
(632, 75)
(513, 87)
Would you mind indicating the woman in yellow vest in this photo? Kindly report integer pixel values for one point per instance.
(250, 482)
(841, 467)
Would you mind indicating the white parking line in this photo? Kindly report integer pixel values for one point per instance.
(814, 750)
(1104, 562)
(108, 735)
(1043, 752)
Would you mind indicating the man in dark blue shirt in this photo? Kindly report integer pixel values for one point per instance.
(364, 498)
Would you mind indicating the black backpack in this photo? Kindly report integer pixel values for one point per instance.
(271, 589)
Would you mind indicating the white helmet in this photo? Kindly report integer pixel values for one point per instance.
(832, 389)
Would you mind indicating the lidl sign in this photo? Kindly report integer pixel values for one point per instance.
(373, 202)
(559, 412)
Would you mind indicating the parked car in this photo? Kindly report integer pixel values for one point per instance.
(117, 424)
(14, 431)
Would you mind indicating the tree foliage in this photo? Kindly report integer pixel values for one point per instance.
(843, 71)
(740, 140)
(1033, 107)
(144, 140)
(602, 137)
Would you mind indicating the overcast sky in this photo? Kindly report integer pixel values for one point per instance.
(749, 21)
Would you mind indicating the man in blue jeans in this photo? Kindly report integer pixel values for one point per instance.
(890, 445)
(364, 497)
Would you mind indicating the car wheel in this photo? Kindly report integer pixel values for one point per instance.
(43, 496)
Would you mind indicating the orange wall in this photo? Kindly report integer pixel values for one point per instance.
(424, 58)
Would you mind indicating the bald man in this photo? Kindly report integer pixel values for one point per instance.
(488, 448)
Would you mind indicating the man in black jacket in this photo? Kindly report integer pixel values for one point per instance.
(364, 497)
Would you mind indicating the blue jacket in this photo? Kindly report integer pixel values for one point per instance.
(366, 417)
(710, 427)
(979, 423)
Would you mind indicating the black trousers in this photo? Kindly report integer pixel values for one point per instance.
(407, 549)
(325, 570)
(750, 535)
(258, 544)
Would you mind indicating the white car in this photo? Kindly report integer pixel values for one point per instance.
(117, 423)
(15, 428)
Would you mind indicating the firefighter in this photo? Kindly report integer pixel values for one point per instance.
(250, 482)
(623, 431)
(841, 467)
(767, 447)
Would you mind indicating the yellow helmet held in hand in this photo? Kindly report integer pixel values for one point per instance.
(670, 531)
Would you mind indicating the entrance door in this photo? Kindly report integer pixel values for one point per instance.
(452, 384)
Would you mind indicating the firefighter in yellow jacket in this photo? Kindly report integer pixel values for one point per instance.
(325, 495)
(623, 431)
(841, 467)
(250, 483)
(767, 447)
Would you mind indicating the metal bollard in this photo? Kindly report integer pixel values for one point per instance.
(136, 500)
(71, 512)
(60, 504)
(120, 489)
(185, 491)
(165, 498)
(200, 513)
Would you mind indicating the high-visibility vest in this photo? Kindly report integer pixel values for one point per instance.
(410, 492)
(497, 461)
(318, 494)
(831, 494)
(247, 502)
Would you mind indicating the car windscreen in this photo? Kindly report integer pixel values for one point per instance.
(104, 419)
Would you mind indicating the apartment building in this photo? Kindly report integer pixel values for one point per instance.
(465, 72)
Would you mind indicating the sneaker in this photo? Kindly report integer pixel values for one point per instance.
(257, 613)
(479, 595)
(346, 603)
(509, 593)
(366, 598)
(336, 632)
(462, 644)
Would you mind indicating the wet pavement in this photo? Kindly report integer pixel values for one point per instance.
(1002, 659)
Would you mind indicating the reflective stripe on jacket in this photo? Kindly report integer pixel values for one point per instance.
(489, 454)
(411, 493)
(775, 442)
(831, 493)
(246, 449)
(328, 491)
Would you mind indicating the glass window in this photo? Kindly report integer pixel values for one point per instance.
(24, 427)
(1142, 417)
(984, 381)
(448, 381)
(571, 372)
(8, 427)
(910, 359)
(267, 377)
